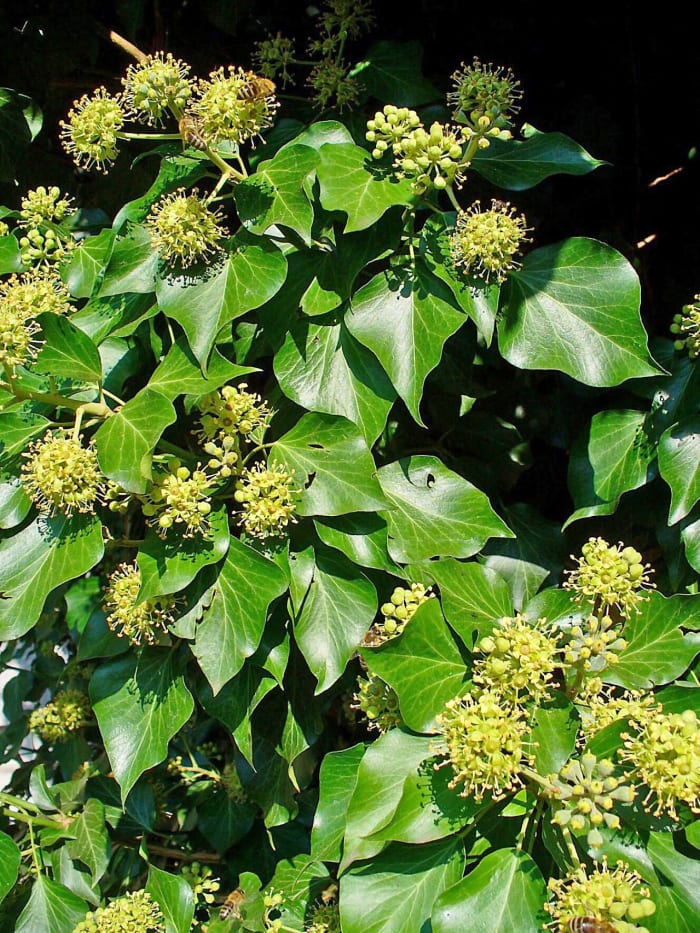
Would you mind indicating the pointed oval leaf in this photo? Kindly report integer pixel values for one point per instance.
(473, 597)
(67, 351)
(181, 374)
(679, 465)
(51, 907)
(91, 844)
(174, 896)
(619, 453)
(337, 780)
(9, 863)
(362, 537)
(132, 265)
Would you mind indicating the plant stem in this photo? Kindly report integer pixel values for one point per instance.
(58, 401)
(256, 450)
(453, 200)
(123, 43)
(155, 137)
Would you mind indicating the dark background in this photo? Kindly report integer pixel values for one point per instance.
(620, 82)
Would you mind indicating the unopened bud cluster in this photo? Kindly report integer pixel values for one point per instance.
(62, 476)
(397, 612)
(232, 784)
(265, 492)
(485, 243)
(136, 911)
(609, 576)
(42, 206)
(518, 660)
(616, 896)
(152, 88)
(179, 497)
(274, 56)
(183, 228)
(379, 702)
(389, 127)
(142, 622)
(58, 720)
(325, 918)
(431, 158)
(686, 329)
(594, 644)
(202, 881)
(485, 98)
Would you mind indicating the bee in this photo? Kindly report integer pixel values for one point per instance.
(256, 88)
(191, 132)
(372, 639)
(590, 925)
(329, 895)
(232, 905)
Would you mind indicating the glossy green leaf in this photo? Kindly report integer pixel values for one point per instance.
(233, 623)
(39, 558)
(334, 468)
(303, 880)
(126, 441)
(351, 182)
(435, 512)
(14, 504)
(362, 537)
(119, 315)
(245, 279)
(17, 430)
(554, 730)
(324, 369)
(275, 194)
(336, 611)
(51, 907)
(181, 374)
(657, 651)
(175, 171)
(91, 845)
(337, 781)
(405, 320)
(681, 872)
(424, 666)
(174, 896)
(10, 257)
(574, 307)
(395, 892)
(85, 268)
(140, 703)
(506, 891)
(132, 265)
(679, 465)
(521, 164)
(67, 351)
(619, 453)
(322, 133)
(9, 864)
(472, 596)
(391, 72)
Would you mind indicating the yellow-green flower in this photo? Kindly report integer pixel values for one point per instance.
(144, 622)
(389, 127)
(519, 660)
(90, 135)
(608, 575)
(232, 784)
(44, 248)
(325, 918)
(431, 158)
(616, 896)
(397, 612)
(346, 17)
(232, 411)
(33, 293)
(686, 329)
(379, 702)
(179, 497)
(44, 206)
(605, 706)
(183, 229)
(56, 722)
(4, 229)
(485, 243)
(202, 881)
(156, 85)
(62, 476)
(485, 98)
(132, 913)
(594, 644)
(483, 740)
(233, 106)
(331, 83)
(274, 56)
(267, 497)
(17, 343)
(664, 754)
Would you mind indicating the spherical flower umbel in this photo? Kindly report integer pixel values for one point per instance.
(485, 243)
(42, 206)
(616, 896)
(17, 343)
(325, 918)
(267, 497)
(179, 497)
(586, 791)
(331, 82)
(379, 702)
(33, 293)
(432, 158)
(183, 229)
(45, 247)
(664, 754)
(156, 85)
(202, 881)
(483, 91)
(389, 127)
(518, 660)
(606, 706)
(90, 135)
(234, 105)
(397, 612)
(232, 411)
(58, 720)
(686, 329)
(140, 623)
(483, 739)
(609, 576)
(62, 476)
(595, 644)
(136, 912)
(273, 57)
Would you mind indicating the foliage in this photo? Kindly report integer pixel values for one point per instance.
(290, 613)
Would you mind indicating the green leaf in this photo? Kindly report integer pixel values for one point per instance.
(174, 171)
(181, 374)
(423, 665)
(337, 609)
(117, 315)
(85, 269)
(302, 879)
(351, 182)
(679, 465)
(362, 537)
(39, 558)
(324, 132)
(518, 165)
(337, 781)
(17, 429)
(51, 907)
(14, 504)
(233, 623)
(140, 703)
(249, 276)
(275, 194)
(324, 369)
(657, 651)
(67, 351)
(10, 256)
(9, 863)
(91, 844)
(473, 597)
(405, 321)
(554, 734)
(574, 307)
(435, 512)
(174, 896)
(506, 891)
(20, 121)
(170, 564)
(132, 265)
(334, 467)
(126, 441)
(391, 72)
(619, 453)
(679, 879)
(396, 891)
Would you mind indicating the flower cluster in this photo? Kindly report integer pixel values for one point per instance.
(139, 622)
(484, 98)
(402, 606)
(686, 329)
(153, 87)
(33, 293)
(379, 703)
(183, 229)
(17, 333)
(431, 158)
(273, 901)
(615, 896)
(232, 411)
(64, 715)
(483, 739)
(43, 247)
(519, 660)
(273, 57)
(608, 576)
(344, 18)
(91, 133)
(202, 881)
(330, 82)
(44, 206)
(60, 475)
(179, 496)
(587, 791)
(389, 127)
(664, 753)
(266, 495)
(136, 911)
(234, 105)
(594, 644)
(232, 784)
(325, 918)
(4, 229)
(602, 706)
(485, 243)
